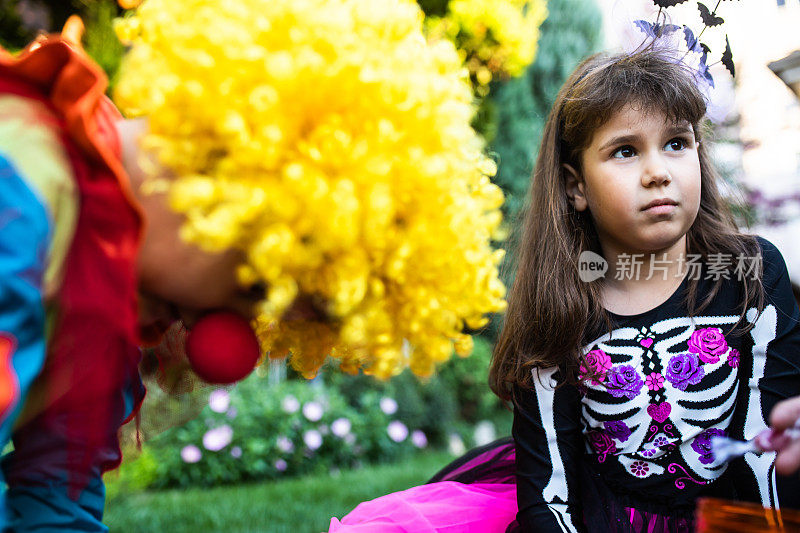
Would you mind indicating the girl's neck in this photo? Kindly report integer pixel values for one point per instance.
(638, 281)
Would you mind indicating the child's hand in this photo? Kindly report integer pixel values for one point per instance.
(784, 416)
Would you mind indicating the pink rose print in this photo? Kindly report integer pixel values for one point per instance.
(599, 362)
(733, 358)
(654, 381)
(602, 444)
(639, 468)
(708, 344)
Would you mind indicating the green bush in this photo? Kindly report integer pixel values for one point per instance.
(424, 404)
(255, 431)
(468, 377)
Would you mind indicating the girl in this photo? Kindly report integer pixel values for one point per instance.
(619, 382)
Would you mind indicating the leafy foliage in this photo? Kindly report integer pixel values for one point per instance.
(569, 34)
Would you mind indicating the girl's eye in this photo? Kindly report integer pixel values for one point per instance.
(624, 152)
(675, 145)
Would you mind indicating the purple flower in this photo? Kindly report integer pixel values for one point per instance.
(601, 443)
(313, 411)
(708, 343)
(661, 441)
(290, 404)
(191, 454)
(617, 429)
(702, 444)
(683, 370)
(639, 468)
(341, 427)
(388, 405)
(217, 438)
(624, 381)
(219, 400)
(599, 362)
(419, 439)
(236, 452)
(281, 465)
(313, 439)
(397, 431)
(285, 444)
(733, 358)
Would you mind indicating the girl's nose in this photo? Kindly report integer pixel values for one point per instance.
(655, 172)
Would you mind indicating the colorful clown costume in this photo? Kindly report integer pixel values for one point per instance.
(69, 234)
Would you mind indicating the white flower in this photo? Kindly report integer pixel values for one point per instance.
(219, 400)
(397, 431)
(290, 404)
(280, 465)
(236, 451)
(313, 439)
(388, 405)
(456, 445)
(419, 439)
(191, 454)
(313, 411)
(285, 444)
(484, 433)
(341, 427)
(217, 438)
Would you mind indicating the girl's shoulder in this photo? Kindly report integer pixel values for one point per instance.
(774, 265)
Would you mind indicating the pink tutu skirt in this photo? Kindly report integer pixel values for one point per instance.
(447, 506)
(475, 493)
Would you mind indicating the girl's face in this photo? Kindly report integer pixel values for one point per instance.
(638, 157)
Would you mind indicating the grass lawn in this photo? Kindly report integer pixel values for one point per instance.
(297, 505)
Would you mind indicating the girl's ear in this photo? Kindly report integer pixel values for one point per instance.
(575, 188)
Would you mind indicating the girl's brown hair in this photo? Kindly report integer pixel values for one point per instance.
(550, 309)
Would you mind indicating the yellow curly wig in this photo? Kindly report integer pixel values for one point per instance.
(331, 143)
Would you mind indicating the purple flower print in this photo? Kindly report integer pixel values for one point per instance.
(661, 441)
(639, 468)
(654, 381)
(708, 343)
(624, 381)
(601, 443)
(702, 444)
(683, 370)
(617, 429)
(599, 362)
(733, 358)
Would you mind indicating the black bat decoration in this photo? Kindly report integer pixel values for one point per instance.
(709, 18)
(705, 48)
(667, 3)
(727, 57)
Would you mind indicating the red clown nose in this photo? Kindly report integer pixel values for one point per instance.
(222, 348)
